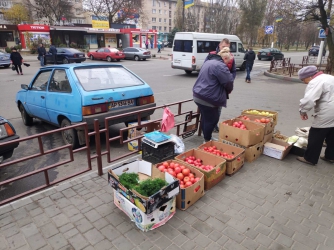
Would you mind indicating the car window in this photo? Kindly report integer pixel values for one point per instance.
(41, 81)
(183, 45)
(106, 50)
(98, 78)
(60, 50)
(206, 46)
(233, 47)
(59, 82)
(241, 48)
(100, 50)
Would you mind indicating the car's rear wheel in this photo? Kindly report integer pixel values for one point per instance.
(70, 136)
(136, 58)
(66, 61)
(188, 72)
(118, 60)
(91, 57)
(144, 59)
(109, 59)
(7, 66)
(27, 119)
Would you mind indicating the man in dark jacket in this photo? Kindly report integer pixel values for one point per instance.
(53, 51)
(249, 58)
(41, 54)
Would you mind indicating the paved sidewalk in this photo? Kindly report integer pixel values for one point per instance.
(268, 204)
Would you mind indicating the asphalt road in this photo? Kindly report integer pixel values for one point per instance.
(169, 85)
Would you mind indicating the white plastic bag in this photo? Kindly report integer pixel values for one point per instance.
(303, 132)
(179, 145)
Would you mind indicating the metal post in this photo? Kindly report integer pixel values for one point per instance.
(183, 5)
(320, 52)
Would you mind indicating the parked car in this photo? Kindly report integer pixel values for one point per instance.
(270, 54)
(314, 51)
(73, 93)
(108, 54)
(136, 53)
(7, 133)
(4, 59)
(66, 55)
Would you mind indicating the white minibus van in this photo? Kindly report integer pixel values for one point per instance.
(191, 48)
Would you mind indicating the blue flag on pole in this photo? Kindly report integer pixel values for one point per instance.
(188, 3)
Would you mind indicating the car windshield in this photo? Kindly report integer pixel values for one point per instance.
(106, 78)
(73, 50)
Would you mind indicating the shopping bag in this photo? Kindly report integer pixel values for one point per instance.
(302, 132)
(13, 68)
(168, 121)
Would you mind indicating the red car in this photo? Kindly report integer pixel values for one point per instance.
(108, 54)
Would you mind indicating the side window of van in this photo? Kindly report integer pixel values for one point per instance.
(183, 45)
(233, 47)
(241, 48)
(206, 46)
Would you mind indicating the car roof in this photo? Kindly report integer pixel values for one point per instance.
(82, 65)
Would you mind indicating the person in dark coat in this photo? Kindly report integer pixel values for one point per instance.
(211, 89)
(16, 60)
(249, 58)
(53, 51)
(41, 54)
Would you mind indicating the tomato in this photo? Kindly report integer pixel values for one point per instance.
(161, 168)
(177, 170)
(192, 180)
(176, 165)
(190, 161)
(165, 164)
(182, 186)
(180, 176)
(197, 179)
(186, 178)
(181, 182)
(182, 167)
(172, 164)
(186, 171)
(188, 183)
(191, 175)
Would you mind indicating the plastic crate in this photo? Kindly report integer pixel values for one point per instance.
(164, 152)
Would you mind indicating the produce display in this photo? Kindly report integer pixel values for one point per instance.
(182, 173)
(257, 112)
(238, 124)
(215, 151)
(262, 120)
(278, 136)
(146, 188)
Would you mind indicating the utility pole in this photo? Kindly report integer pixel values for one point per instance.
(183, 5)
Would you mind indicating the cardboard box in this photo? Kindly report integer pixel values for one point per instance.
(268, 137)
(253, 135)
(251, 153)
(274, 114)
(145, 170)
(268, 127)
(232, 165)
(133, 132)
(277, 149)
(145, 222)
(211, 178)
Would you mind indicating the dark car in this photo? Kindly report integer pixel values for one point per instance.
(314, 51)
(136, 53)
(7, 133)
(270, 54)
(66, 55)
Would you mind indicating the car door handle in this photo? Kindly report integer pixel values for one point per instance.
(43, 97)
(183, 55)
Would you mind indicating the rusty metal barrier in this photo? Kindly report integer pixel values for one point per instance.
(45, 169)
(188, 130)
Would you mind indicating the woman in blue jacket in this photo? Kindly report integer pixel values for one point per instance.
(211, 90)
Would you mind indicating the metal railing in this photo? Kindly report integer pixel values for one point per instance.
(188, 130)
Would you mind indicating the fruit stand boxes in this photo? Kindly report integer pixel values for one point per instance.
(234, 156)
(145, 222)
(277, 149)
(211, 176)
(266, 122)
(272, 114)
(250, 135)
(145, 170)
(251, 153)
(164, 152)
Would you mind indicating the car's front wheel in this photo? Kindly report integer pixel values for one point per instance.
(66, 61)
(91, 57)
(188, 72)
(109, 59)
(243, 66)
(70, 136)
(137, 58)
(27, 119)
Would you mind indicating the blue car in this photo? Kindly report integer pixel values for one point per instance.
(4, 59)
(7, 133)
(66, 55)
(63, 95)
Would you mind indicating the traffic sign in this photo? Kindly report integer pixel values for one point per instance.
(269, 30)
(322, 33)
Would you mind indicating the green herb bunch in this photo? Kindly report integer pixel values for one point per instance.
(150, 186)
(129, 180)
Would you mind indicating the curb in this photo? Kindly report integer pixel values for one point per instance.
(284, 78)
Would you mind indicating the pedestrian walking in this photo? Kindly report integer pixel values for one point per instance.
(249, 58)
(16, 60)
(146, 43)
(53, 52)
(319, 95)
(211, 89)
(225, 43)
(41, 54)
(159, 48)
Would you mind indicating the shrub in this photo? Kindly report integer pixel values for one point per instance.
(62, 45)
(73, 45)
(8, 50)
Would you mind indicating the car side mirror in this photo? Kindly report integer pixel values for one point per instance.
(24, 86)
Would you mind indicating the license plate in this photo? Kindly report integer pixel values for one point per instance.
(263, 53)
(120, 54)
(80, 55)
(119, 104)
(177, 61)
